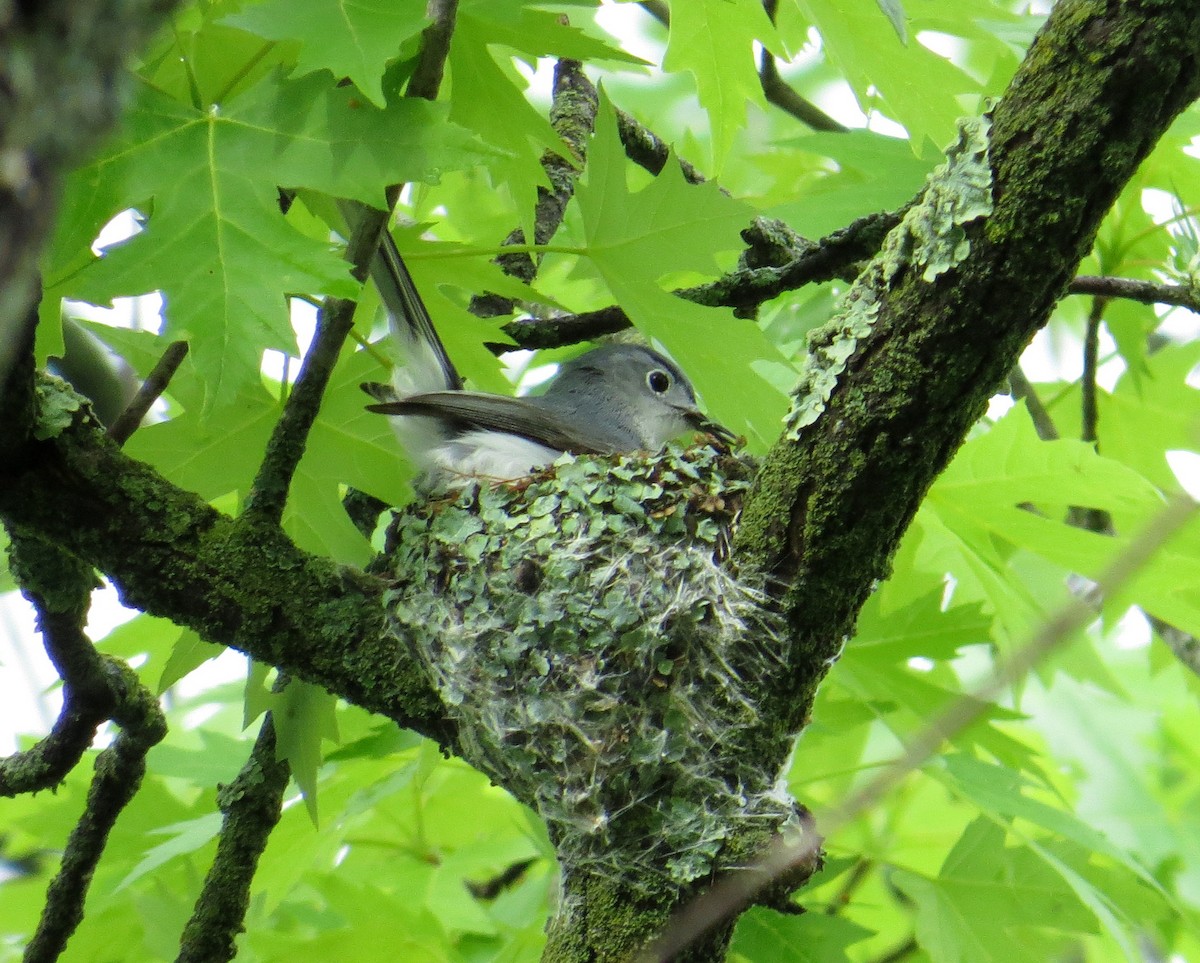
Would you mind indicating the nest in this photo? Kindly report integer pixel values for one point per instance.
(601, 660)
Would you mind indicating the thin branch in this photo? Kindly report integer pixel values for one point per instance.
(119, 772)
(97, 688)
(658, 9)
(573, 116)
(1144, 292)
(738, 889)
(59, 588)
(1184, 645)
(646, 149)
(251, 805)
(1088, 412)
(1084, 516)
(858, 875)
(127, 422)
(435, 47)
(1022, 390)
(782, 95)
(836, 255)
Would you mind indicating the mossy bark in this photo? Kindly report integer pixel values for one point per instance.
(1099, 87)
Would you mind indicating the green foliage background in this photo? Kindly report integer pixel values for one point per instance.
(1065, 824)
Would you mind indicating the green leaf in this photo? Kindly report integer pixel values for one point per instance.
(185, 837)
(1148, 414)
(871, 172)
(190, 652)
(216, 244)
(490, 100)
(350, 38)
(920, 89)
(922, 628)
(714, 41)
(676, 227)
(304, 715)
(1000, 791)
(763, 934)
(540, 33)
(980, 907)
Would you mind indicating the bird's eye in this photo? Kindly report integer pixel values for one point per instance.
(659, 381)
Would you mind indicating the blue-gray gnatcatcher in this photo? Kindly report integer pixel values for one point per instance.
(618, 398)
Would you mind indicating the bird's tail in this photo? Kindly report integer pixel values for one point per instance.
(423, 364)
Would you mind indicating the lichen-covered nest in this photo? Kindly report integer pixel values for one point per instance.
(601, 661)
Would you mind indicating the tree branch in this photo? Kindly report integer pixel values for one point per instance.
(426, 79)
(834, 256)
(59, 588)
(127, 422)
(251, 806)
(242, 585)
(1144, 292)
(829, 506)
(778, 92)
(573, 115)
(646, 149)
(97, 688)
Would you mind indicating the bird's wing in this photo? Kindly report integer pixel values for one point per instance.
(409, 319)
(515, 416)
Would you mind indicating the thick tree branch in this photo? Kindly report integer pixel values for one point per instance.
(1098, 88)
(247, 586)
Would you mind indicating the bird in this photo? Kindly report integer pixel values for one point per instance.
(614, 399)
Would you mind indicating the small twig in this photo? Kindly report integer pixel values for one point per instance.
(780, 93)
(251, 805)
(1022, 390)
(1184, 645)
(658, 9)
(1089, 414)
(1144, 292)
(858, 875)
(489, 889)
(737, 889)
(1083, 516)
(648, 150)
(127, 422)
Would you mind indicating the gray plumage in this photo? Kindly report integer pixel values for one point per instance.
(617, 398)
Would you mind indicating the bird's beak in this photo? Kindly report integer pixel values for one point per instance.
(701, 422)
